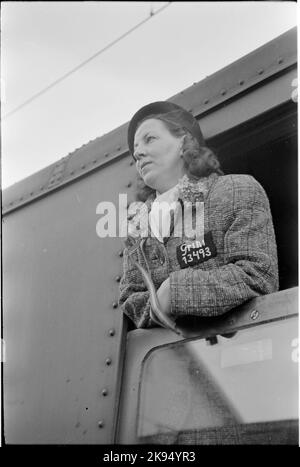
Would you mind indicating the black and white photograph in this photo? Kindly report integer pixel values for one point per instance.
(149, 235)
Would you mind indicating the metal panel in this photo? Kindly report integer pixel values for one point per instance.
(139, 342)
(215, 94)
(263, 99)
(261, 310)
(250, 380)
(60, 292)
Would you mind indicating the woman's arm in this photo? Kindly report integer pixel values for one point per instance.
(134, 296)
(250, 256)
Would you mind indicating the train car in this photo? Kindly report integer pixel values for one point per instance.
(75, 370)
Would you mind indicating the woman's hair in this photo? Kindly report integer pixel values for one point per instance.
(199, 161)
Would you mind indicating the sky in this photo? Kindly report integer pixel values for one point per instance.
(180, 45)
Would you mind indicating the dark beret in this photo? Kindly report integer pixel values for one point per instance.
(175, 113)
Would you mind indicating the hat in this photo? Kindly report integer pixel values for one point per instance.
(175, 113)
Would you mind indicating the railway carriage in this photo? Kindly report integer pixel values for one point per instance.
(76, 371)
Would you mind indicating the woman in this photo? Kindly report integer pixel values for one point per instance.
(237, 258)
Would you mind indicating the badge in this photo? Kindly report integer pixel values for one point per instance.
(190, 254)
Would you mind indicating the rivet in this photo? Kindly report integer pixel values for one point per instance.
(11, 203)
(206, 101)
(280, 60)
(100, 424)
(83, 166)
(212, 340)
(21, 199)
(190, 110)
(241, 82)
(108, 361)
(260, 72)
(104, 392)
(111, 332)
(115, 304)
(120, 253)
(94, 161)
(52, 181)
(129, 184)
(118, 278)
(131, 162)
(106, 154)
(223, 92)
(118, 148)
(254, 314)
(31, 193)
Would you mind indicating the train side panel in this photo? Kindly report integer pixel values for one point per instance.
(61, 328)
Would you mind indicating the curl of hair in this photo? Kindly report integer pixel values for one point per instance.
(198, 161)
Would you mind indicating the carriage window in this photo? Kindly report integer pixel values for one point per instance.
(194, 389)
(267, 148)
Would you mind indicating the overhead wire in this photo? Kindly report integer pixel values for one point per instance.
(82, 64)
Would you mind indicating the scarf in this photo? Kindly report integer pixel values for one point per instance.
(164, 213)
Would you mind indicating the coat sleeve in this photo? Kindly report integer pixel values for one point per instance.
(250, 257)
(134, 296)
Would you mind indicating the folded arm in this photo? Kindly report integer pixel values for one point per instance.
(250, 256)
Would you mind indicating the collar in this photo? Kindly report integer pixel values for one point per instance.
(187, 191)
(202, 187)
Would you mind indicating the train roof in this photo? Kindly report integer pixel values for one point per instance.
(209, 97)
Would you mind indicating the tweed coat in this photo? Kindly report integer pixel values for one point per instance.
(237, 213)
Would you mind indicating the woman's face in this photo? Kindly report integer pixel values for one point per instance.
(158, 155)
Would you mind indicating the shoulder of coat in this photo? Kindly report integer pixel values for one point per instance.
(238, 186)
(232, 181)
